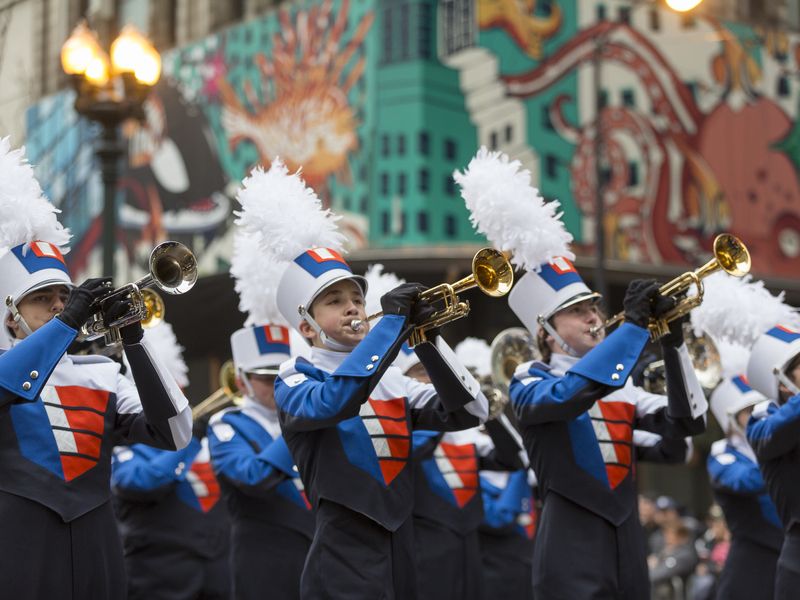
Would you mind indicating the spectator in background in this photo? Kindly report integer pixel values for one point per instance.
(712, 550)
(672, 565)
(647, 517)
(666, 513)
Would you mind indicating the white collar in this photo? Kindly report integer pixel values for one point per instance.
(736, 440)
(561, 363)
(327, 360)
(266, 417)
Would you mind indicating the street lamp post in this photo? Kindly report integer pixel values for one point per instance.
(110, 88)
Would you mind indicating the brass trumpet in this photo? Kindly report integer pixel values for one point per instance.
(172, 268)
(491, 272)
(730, 255)
(228, 393)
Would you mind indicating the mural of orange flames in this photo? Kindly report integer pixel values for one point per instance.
(306, 118)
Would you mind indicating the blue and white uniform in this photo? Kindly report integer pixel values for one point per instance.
(347, 418)
(272, 521)
(577, 418)
(60, 417)
(169, 510)
(756, 533)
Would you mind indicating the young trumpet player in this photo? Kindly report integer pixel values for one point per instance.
(60, 415)
(271, 519)
(773, 431)
(577, 412)
(169, 510)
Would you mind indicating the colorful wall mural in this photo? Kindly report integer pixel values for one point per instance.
(689, 124)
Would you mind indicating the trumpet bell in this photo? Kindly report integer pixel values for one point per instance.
(732, 255)
(173, 267)
(154, 308)
(492, 272)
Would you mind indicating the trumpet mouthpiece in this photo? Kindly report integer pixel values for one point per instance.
(356, 324)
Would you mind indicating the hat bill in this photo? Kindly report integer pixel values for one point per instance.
(263, 371)
(576, 300)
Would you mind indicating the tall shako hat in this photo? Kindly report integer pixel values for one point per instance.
(733, 392)
(475, 354)
(263, 343)
(32, 241)
(514, 217)
(162, 338)
(295, 232)
(742, 311)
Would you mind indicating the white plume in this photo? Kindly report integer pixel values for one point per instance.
(25, 214)
(475, 354)
(170, 352)
(378, 283)
(510, 212)
(286, 214)
(257, 280)
(733, 358)
(738, 310)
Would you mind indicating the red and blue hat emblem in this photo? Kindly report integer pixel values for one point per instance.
(741, 383)
(783, 334)
(559, 273)
(40, 256)
(272, 339)
(317, 261)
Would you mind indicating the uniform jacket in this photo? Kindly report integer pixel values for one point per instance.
(774, 434)
(61, 416)
(741, 492)
(169, 498)
(258, 476)
(347, 418)
(578, 415)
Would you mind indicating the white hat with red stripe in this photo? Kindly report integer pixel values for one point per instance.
(260, 349)
(771, 354)
(32, 241)
(732, 395)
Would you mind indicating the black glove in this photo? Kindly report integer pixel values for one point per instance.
(401, 300)
(200, 426)
(116, 308)
(674, 338)
(421, 312)
(638, 302)
(79, 305)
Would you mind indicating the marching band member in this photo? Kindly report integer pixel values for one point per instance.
(345, 414)
(577, 412)
(272, 521)
(448, 507)
(168, 507)
(773, 431)
(739, 489)
(62, 414)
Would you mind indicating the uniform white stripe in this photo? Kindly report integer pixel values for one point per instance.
(65, 441)
(56, 416)
(381, 447)
(608, 451)
(373, 426)
(198, 485)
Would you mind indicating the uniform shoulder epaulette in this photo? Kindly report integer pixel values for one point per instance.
(217, 416)
(523, 369)
(719, 447)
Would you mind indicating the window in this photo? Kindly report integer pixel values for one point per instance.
(424, 180)
(363, 205)
(655, 19)
(633, 174)
(346, 203)
(385, 184)
(450, 149)
(401, 145)
(625, 15)
(493, 140)
(404, 31)
(385, 221)
(450, 226)
(628, 98)
(601, 12)
(388, 26)
(783, 87)
(551, 166)
(385, 149)
(424, 143)
(422, 221)
(449, 185)
(424, 25)
(547, 122)
(401, 183)
(363, 173)
(602, 99)
(509, 133)
(402, 222)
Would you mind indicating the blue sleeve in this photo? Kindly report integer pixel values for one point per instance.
(737, 477)
(235, 460)
(502, 507)
(152, 469)
(309, 399)
(541, 397)
(25, 368)
(776, 433)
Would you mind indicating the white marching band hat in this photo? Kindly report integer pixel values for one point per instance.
(261, 349)
(32, 241)
(732, 395)
(772, 353)
(537, 296)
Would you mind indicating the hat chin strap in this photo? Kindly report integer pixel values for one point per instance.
(543, 323)
(17, 316)
(323, 337)
(784, 379)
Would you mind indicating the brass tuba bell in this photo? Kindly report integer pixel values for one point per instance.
(509, 349)
(705, 360)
